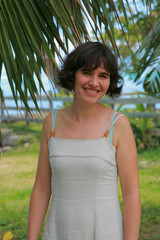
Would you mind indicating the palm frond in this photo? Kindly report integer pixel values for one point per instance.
(34, 33)
(148, 69)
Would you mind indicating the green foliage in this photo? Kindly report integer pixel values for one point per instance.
(140, 127)
(143, 37)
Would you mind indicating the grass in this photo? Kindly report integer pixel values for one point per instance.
(149, 173)
(17, 173)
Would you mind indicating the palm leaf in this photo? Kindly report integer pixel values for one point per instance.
(148, 70)
(34, 33)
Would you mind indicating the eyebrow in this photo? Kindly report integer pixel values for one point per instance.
(90, 70)
(86, 69)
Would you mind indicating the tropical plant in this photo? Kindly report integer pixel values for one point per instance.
(145, 67)
(141, 127)
(33, 34)
(148, 69)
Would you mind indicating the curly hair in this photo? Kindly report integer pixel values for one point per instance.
(90, 55)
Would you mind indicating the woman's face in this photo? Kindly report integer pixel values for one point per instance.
(91, 85)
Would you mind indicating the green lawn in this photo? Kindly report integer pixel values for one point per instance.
(17, 172)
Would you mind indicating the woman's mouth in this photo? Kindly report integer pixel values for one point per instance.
(93, 91)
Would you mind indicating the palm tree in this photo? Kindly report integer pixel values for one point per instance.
(33, 33)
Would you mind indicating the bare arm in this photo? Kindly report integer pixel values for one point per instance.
(42, 188)
(128, 173)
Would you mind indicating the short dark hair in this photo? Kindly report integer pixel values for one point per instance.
(90, 55)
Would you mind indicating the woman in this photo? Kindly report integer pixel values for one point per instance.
(80, 159)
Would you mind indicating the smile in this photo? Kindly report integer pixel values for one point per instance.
(91, 91)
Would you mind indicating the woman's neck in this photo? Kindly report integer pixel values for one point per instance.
(84, 112)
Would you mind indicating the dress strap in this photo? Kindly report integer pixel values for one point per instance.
(114, 120)
(54, 115)
(111, 127)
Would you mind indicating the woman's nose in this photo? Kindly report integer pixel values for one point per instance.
(94, 80)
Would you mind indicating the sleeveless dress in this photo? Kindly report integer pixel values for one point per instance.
(84, 204)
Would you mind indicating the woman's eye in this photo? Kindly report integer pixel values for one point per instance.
(86, 72)
(103, 76)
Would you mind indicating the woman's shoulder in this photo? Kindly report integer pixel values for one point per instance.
(111, 114)
(121, 119)
(48, 119)
(122, 124)
(47, 125)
